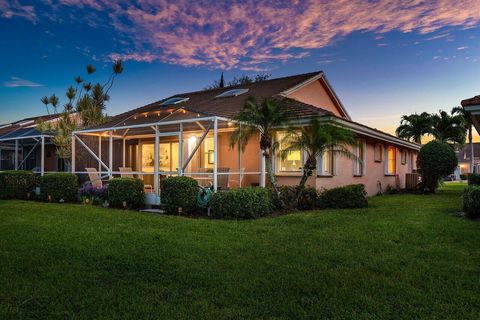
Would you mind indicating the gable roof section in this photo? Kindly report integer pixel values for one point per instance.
(18, 128)
(206, 102)
(471, 101)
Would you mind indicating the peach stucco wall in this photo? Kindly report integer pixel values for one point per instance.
(374, 178)
(316, 94)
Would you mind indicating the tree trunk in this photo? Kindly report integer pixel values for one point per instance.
(271, 177)
(308, 168)
(470, 142)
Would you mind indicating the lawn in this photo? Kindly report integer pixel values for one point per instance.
(405, 257)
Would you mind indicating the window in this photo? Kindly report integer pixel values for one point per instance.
(359, 166)
(378, 152)
(294, 159)
(232, 93)
(404, 156)
(391, 161)
(168, 157)
(208, 156)
(326, 164)
(174, 100)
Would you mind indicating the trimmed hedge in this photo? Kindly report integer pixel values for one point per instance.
(308, 200)
(179, 192)
(126, 192)
(471, 201)
(473, 179)
(244, 203)
(436, 160)
(60, 186)
(347, 197)
(16, 184)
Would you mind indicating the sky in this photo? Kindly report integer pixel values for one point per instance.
(384, 58)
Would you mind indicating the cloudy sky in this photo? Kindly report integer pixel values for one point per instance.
(384, 58)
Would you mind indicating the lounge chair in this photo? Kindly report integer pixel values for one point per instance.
(94, 177)
(222, 179)
(126, 172)
(240, 178)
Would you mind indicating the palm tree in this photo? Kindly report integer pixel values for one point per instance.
(315, 140)
(415, 126)
(467, 122)
(265, 118)
(449, 129)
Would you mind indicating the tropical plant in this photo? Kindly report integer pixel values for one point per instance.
(264, 118)
(449, 129)
(468, 124)
(415, 126)
(86, 102)
(315, 140)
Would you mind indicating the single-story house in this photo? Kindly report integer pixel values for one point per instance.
(189, 134)
(23, 147)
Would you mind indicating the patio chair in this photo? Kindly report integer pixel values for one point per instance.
(204, 180)
(94, 177)
(126, 172)
(222, 179)
(240, 179)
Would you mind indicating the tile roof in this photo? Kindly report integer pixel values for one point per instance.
(205, 102)
(471, 101)
(10, 129)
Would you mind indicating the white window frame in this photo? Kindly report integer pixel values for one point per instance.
(278, 160)
(359, 166)
(378, 152)
(321, 169)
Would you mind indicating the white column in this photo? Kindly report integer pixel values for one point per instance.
(99, 152)
(262, 169)
(215, 153)
(180, 150)
(16, 154)
(73, 152)
(42, 156)
(155, 166)
(110, 154)
(240, 173)
(123, 152)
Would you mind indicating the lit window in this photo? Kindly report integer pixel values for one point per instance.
(293, 161)
(378, 152)
(208, 155)
(327, 163)
(391, 163)
(232, 93)
(359, 166)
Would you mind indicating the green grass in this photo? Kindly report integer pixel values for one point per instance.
(405, 257)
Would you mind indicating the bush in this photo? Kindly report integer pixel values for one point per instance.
(307, 201)
(91, 195)
(179, 192)
(473, 179)
(16, 184)
(244, 203)
(347, 197)
(126, 193)
(436, 160)
(471, 201)
(59, 187)
(463, 176)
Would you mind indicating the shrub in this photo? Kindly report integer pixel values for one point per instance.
(307, 201)
(473, 179)
(57, 187)
(126, 193)
(347, 197)
(91, 195)
(244, 203)
(179, 192)
(463, 176)
(436, 159)
(471, 201)
(16, 184)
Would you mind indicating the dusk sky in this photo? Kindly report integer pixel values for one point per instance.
(384, 58)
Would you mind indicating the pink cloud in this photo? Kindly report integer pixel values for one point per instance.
(13, 8)
(251, 34)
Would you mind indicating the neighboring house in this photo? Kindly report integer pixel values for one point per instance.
(23, 147)
(189, 134)
(463, 156)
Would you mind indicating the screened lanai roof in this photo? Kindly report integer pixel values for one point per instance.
(24, 133)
